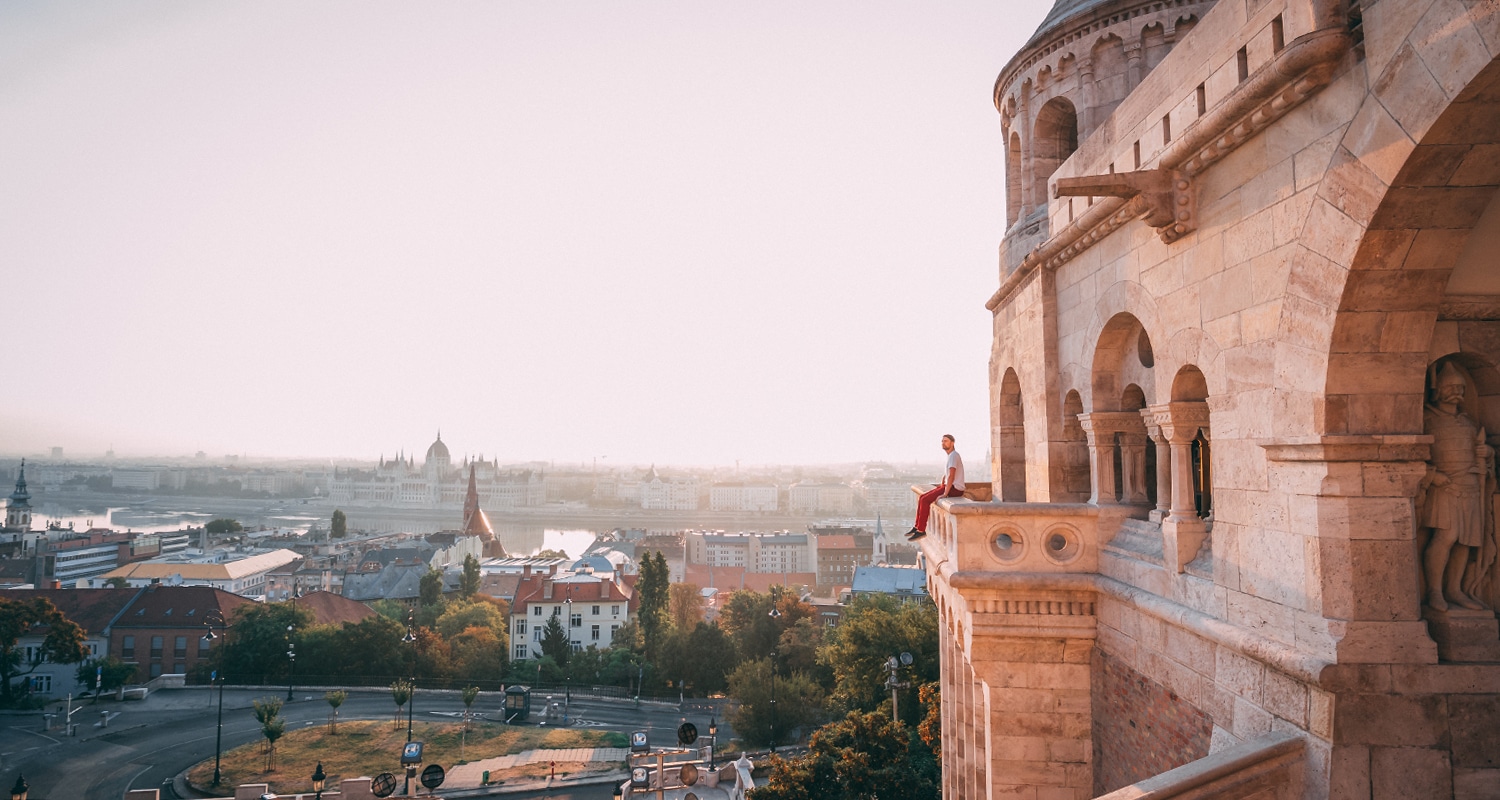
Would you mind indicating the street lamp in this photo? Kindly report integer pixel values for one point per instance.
(291, 655)
(713, 741)
(567, 675)
(18, 792)
(411, 688)
(318, 778)
(775, 615)
(208, 639)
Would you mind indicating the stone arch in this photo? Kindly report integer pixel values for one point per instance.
(1154, 46)
(1013, 179)
(1396, 308)
(1075, 451)
(1183, 26)
(1122, 356)
(1011, 440)
(1191, 423)
(1054, 138)
(1128, 297)
(1189, 385)
(1110, 76)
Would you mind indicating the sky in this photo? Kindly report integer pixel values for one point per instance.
(668, 232)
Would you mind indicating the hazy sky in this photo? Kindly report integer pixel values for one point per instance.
(681, 232)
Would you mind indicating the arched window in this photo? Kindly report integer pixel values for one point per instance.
(1012, 440)
(1013, 180)
(1055, 138)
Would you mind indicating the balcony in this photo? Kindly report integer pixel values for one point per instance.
(975, 534)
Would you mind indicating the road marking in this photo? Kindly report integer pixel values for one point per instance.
(34, 733)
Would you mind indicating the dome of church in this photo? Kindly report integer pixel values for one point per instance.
(438, 450)
(1062, 10)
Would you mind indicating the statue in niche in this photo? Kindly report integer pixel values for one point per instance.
(1456, 498)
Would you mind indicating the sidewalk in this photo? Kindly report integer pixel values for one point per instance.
(470, 775)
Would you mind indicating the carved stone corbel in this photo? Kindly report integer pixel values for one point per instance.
(1171, 198)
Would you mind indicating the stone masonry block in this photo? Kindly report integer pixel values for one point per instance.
(1409, 91)
(1476, 784)
(1349, 773)
(1390, 720)
(1403, 773)
(1475, 724)
(1239, 675)
(1286, 697)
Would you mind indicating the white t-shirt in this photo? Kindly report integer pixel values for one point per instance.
(957, 464)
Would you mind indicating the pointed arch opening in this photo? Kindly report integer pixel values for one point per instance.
(1012, 437)
(1054, 138)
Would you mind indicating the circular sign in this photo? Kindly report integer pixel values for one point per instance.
(432, 776)
(383, 785)
(639, 777)
(687, 733)
(688, 774)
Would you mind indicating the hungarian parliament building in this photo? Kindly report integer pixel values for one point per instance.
(437, 482)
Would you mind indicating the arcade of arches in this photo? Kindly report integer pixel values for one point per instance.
(1245, 390)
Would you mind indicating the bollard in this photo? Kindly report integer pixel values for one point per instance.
(104, 719)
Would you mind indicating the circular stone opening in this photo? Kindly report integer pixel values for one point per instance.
(1007, 546)
(1061, 545)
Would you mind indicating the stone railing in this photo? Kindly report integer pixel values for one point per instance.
(1268, 768)
(983, 536)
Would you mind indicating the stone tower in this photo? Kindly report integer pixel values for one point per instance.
(18, 510)
(1245, 387)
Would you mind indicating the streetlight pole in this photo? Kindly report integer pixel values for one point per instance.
(775, 617)
(291, 655)
(219, 731)
(411, 687)
(567, 675)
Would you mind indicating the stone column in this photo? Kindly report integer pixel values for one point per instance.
(1163, 464)
(1134, 66)
(1133, 466)
(1026, 123)
(1085, 97)
(1183, 531)
(1101, 458)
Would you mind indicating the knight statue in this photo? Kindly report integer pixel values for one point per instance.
(1456, 498)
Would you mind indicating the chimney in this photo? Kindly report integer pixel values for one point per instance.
(525, 570)
(54, 584)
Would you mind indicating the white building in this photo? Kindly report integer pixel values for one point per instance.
(674, 493)
(437, 482)
(590, 609)
(245, 576)
(749, 497)
(820, 498)
(755, 552)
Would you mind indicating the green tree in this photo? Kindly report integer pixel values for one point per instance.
(432, 587)
(117, 582)
(652, 613)
(875, 628)
(260, 640)
(110, 673)
(223, 525)
(461, 615)
(931, 728)
(372, 648)
(555, 641)
(335, 699)
(62, 643)
(747, 618)
(400, 693)
(551, 554)
(685, 606)
(478, 654)
(267, 712)
(861, 757)
(468, 584)
(339, 527)
(798, 703)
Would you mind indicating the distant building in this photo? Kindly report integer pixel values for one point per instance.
(591, 608)
(839, 554)
(744, 497)
(18, 509)
(401, 483)
(907, 584)
(756, 552)
(669, 493)
(246, 576)
(820, 498)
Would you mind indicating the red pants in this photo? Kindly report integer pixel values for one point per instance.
(925, 501)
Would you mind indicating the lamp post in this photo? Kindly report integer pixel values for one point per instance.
(219, 673)
(291, 655)
(713, 741)
(411, 698)
(318, 778)
(567, 675)
(775, 616)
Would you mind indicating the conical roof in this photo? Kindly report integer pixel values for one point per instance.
(1064, 10)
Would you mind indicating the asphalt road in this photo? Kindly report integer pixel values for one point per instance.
(147, 743)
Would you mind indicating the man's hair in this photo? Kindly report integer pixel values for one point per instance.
(950, 438)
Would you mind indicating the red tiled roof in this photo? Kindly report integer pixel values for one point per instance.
(179, 607)
(836, 542)
(332, 609)
(532, 590)
(90, 609)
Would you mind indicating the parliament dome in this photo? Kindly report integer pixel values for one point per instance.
(439, 451)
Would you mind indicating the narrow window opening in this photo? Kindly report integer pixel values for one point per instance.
(1138, 154)
(1243, 58)
(1278, 35)
(1166, 129)
(1202, 100)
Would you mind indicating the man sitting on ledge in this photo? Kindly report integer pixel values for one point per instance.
(951, 485)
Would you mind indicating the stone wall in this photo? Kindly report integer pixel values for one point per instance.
(1141, 728)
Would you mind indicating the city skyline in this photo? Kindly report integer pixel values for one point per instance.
(669, 233)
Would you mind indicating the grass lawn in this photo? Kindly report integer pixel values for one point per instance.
(370, 747)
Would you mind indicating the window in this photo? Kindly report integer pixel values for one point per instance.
(179, 668)
(595, 636)
(520, 651)
(613, 629)
(595, 612)
(156, 649)
(615, 610)
(156, 670)
(41, 684)
(203, 647)
(557, 611)
(538, 634)
(179, 648)
(576, 621)
(521, 626)
(536, 611)
(127, 647)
